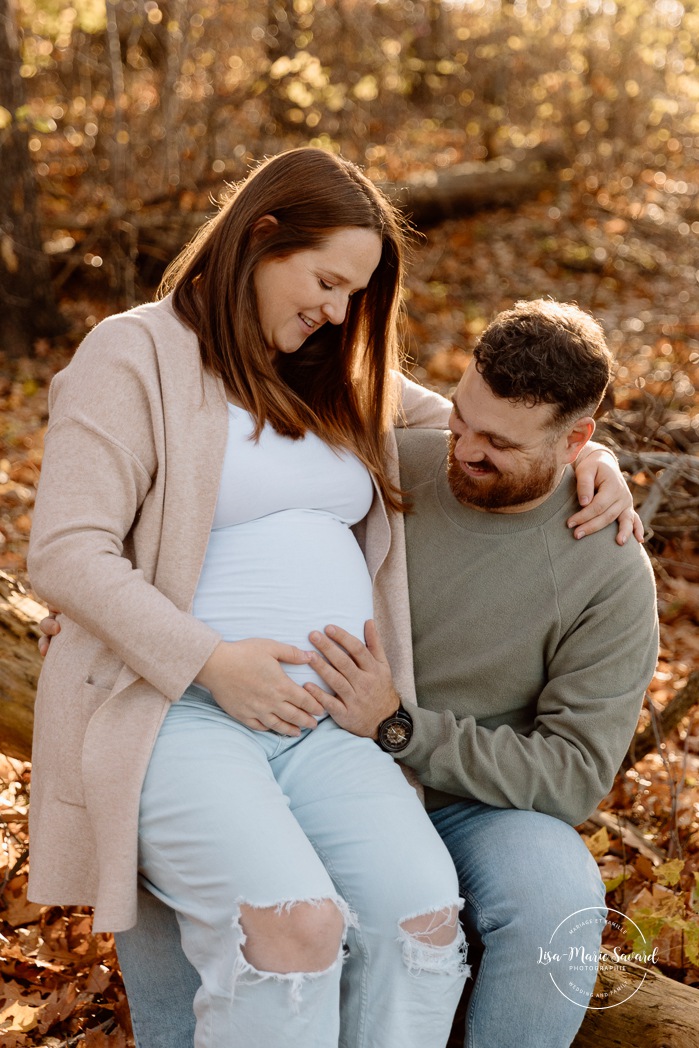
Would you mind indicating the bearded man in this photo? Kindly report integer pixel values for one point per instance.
(532, 653)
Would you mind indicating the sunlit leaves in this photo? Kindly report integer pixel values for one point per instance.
(669, 872)
(367, 89)
(56, 19)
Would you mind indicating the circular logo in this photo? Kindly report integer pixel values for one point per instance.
(573, 959)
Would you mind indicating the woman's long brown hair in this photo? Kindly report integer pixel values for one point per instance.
(338, 383)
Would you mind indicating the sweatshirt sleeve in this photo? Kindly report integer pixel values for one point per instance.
(586, 714)
(98, 470)
(420, 407)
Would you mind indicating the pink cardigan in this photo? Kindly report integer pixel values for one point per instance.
(132, 461)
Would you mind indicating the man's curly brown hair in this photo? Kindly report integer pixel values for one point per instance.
(545, 352)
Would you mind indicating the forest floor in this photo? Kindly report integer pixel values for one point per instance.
(635, 266)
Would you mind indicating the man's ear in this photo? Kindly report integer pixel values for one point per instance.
(577, 437)
(263, 227)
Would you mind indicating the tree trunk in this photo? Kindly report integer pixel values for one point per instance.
(427, 47)
(280, 42)
(26, 298)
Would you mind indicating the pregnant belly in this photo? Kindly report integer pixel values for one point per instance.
(282, 576)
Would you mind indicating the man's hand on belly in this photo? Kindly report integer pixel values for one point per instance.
(358, 674)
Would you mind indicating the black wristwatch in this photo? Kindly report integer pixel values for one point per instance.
(396, 731)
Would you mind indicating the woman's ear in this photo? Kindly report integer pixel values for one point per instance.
(263, 227)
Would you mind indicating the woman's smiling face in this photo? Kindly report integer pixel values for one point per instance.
(298, 294)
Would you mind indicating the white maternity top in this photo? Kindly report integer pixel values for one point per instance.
(281, 559)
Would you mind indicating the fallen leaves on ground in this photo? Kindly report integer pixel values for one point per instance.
(60, 984)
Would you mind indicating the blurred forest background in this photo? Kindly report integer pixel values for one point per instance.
(542, 147)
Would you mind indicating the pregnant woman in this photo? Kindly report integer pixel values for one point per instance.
(205, 460)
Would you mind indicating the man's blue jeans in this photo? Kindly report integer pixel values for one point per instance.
(521, 873)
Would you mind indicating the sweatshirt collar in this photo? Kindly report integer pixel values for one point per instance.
(564, 496)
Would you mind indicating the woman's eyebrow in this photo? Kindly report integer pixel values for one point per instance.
(340, 278)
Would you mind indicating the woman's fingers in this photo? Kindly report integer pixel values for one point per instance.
(639, 531)
(49, 628)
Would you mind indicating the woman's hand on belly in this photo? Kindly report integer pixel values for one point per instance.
(245, 678)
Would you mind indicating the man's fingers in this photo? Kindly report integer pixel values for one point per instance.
(335, 679)
(49, 627)
(356, 647)
(342, 648)
(333, 651)
(373, 641)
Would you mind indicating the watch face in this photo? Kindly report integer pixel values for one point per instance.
(396, 734)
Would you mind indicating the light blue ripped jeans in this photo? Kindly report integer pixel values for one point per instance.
(235, 818)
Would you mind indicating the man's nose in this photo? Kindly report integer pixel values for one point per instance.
(467, 448)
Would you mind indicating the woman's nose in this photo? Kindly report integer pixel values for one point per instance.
(335, 309)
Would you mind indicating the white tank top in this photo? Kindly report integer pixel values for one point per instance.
(281, 559)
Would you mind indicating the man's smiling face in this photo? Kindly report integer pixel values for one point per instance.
(504, 457)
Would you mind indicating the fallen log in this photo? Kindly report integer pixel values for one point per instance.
(20, 664)
(464, 189)
(158, 229)
(665, 720)
(630, 836)
(661, 1013)
(655, 1012)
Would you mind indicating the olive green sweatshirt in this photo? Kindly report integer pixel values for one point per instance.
(532, 649)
